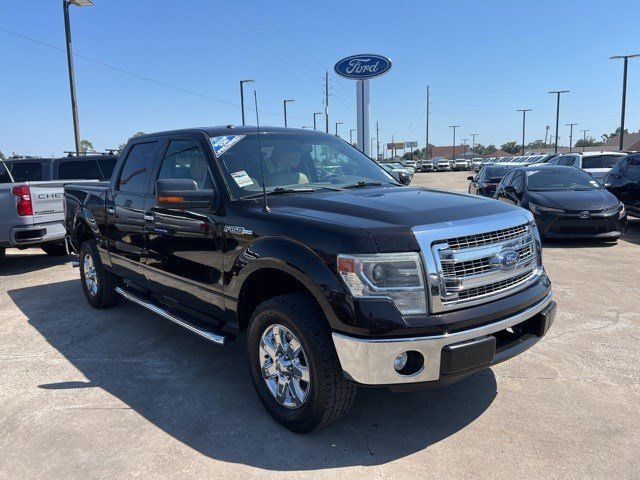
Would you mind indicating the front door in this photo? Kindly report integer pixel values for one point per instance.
(184, 251)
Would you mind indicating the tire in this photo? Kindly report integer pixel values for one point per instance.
(104, 294)
(328, 394)
(54, 249)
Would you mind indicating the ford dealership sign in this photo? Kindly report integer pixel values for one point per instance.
(363, 67)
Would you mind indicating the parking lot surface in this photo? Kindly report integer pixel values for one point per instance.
(121, 393)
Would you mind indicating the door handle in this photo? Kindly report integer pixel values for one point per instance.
(111, 210)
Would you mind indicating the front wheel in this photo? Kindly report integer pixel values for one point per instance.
(294, 366)
(98, 284)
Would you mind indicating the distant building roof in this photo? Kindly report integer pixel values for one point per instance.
(630, 138)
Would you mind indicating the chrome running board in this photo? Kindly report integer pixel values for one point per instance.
(217, 338)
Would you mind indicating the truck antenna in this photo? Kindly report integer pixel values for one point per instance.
(265, 206)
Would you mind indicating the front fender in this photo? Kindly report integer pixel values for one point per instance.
(302, 263)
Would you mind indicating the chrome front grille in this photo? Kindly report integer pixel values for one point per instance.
(478, 261)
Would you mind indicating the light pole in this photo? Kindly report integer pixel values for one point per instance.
(465, 144)
(284, 104)
(338, 123)
(351, 135)
(546, 134)
(524, 113)
(473, 142)
(72, 81)
(624, 92)
(557, 92)
(584, 138)
(314, 118)
(242, 82)
(570, 125)
(454, 140)
(372, 140)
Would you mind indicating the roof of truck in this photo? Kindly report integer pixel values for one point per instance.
(229, 130)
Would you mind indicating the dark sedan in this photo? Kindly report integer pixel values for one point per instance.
(624, 182)
(487, 179)
(565, 202)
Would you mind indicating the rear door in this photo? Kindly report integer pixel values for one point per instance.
(126, 209)
(630, 185)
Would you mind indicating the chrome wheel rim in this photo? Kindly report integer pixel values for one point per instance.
(90, 276)
(284, 366)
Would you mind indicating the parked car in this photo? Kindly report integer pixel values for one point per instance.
(487, 180)
(565, 201)
(460, 164)
(410, 164)
(225, 230)
(400, 166)
(597, 164)
(623, 180)
(400, 174)
(442, 164)
(31, 198)
(425, 165)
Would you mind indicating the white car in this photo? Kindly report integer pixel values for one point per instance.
(597, 164)
(460, 164)
(442, 164)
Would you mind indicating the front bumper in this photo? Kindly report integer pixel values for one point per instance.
(570, 225)
(447, 357)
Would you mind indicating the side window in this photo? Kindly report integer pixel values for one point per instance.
(26, 171)
(4, 174)
(633, 167)
(518, 181)
(573, 161)
(506, 180)
(135, 173)
(79, 170)
(185, 159)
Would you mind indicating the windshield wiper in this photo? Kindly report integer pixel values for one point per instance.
(363, 184)
(280, 191)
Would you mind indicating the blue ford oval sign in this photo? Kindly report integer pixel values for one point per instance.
(363, 66)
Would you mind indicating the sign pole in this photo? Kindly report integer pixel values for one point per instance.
(362, 105)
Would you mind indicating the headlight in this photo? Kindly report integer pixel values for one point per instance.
(538, 209)
(623, 211)
(396, 276)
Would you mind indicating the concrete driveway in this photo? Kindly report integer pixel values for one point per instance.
(120, 393)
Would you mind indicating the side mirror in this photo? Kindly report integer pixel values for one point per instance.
(182, 194)
(607, 185)
(470, 178)
(510, 189)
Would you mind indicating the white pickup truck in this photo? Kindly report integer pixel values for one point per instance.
(31, 198)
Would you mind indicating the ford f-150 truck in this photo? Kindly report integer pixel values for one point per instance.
(338, 275)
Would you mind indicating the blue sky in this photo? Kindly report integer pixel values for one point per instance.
(483, 60)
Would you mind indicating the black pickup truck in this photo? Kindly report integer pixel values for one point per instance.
(338, 275)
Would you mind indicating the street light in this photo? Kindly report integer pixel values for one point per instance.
(338, 123)
(242, 82)
(557, 92)
(314, 118)
(473, 141)
(570, 125)
(454, 140)
(524, 113)
(351, 135)
(72, 81)
(624, 92)
(584, 137)
(284, 103)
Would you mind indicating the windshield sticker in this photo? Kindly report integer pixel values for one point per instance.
(531, 173)
(593, 182)
(242, 178)
(224, 143)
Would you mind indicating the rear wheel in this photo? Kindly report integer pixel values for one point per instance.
(54, 249)
(98, 284)
(295, 369)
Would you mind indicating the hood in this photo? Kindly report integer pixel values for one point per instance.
(388, 214)
(575, 200)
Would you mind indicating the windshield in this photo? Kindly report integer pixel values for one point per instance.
(296, 161)
(495, 174)
(600, 161)
(560, 179)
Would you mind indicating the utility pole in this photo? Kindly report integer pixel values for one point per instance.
(624, 92)
(524, 113)
(393, 148)
(557, 92)
(584, 138)
(338, 123)
(570, 125)
(351, 135)
(326, 101)
(473, 142)
(372, 140)
(454, 140)
(465, 144)
(284, 104)
(426, 146)
(72, 78)
(377, 141)
(546, 134)
(242, 82)
(314, 119)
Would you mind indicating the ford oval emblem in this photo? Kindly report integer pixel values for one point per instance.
(363, 66)
(505, 260)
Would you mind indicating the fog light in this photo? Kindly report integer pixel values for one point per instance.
(400, 361)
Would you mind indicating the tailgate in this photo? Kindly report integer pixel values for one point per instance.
(46, 198)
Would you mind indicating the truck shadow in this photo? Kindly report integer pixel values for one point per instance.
(36, 259)
(202, 395)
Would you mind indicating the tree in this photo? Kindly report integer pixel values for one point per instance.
(137, 134)
(588, 142)
(489, 149)
(1, 155)
(86, 146)
(606, 136)
(511, 147)
(536, 144)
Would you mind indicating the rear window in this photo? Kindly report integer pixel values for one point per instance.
(600, 161)
(79, 170)
(107, 165)
(4, 174)
(26, 171)
(633, 169)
